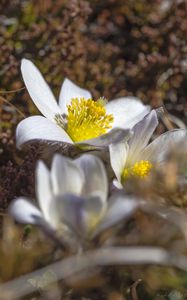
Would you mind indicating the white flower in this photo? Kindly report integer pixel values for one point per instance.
(136, 157)
(73, 193)
(77, 119)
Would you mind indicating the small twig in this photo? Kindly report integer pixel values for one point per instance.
(3, 214)
(12, 91)
(180, 124)
(133, 291)
(140, 255)
(12, 105)
(165, 118)
(165, 76)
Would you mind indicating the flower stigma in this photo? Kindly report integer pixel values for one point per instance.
(87, 119)
(140, 169)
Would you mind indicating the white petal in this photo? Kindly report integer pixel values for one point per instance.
(78, 213)
(120, 208)
(40, 128)
(70, 90)
(93, 211)
(24, 211)
(127, 111)
(68, 209)
(39, 90)
(96, 182)
(116, 135)
(93, 207)
(118, 156)
(71, 208)
(142, 133)
(158, 150)
(44, 189)
(117, 184)
(66, 177)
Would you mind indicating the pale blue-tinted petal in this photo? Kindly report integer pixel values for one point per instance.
(158, 150)
(142, 133)
(44, 189)
(93, 211)
(39, 90)
(41, 129)
(96, 182)
(68, 209)
(66, 177)
(127, 111)
(24, 211)
(120, 208)
(80, 214)
(70, 90)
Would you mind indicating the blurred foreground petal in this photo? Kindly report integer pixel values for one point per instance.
(24, 211)
(43, 189)
(120, 208)
(96, 182)
(66, 176)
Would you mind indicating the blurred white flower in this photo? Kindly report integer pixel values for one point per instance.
(136, 158)
(77, 119)
(74, 193)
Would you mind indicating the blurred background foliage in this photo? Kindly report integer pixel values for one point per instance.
(113, 48)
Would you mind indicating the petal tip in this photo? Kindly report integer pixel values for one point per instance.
(25, 62)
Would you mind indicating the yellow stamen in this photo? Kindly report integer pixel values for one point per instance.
(87, 119)
(139, 169)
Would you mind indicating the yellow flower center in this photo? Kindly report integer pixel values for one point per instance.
(140, 169)
(87, 119)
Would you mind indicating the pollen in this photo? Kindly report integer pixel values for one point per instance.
(140, 169)
(87, 119)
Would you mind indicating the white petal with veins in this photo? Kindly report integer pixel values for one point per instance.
(39, 90)
(70, 90)
(127, 111)
(40, 128)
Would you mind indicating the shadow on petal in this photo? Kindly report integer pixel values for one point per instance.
(116, 135)
(120, 208)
